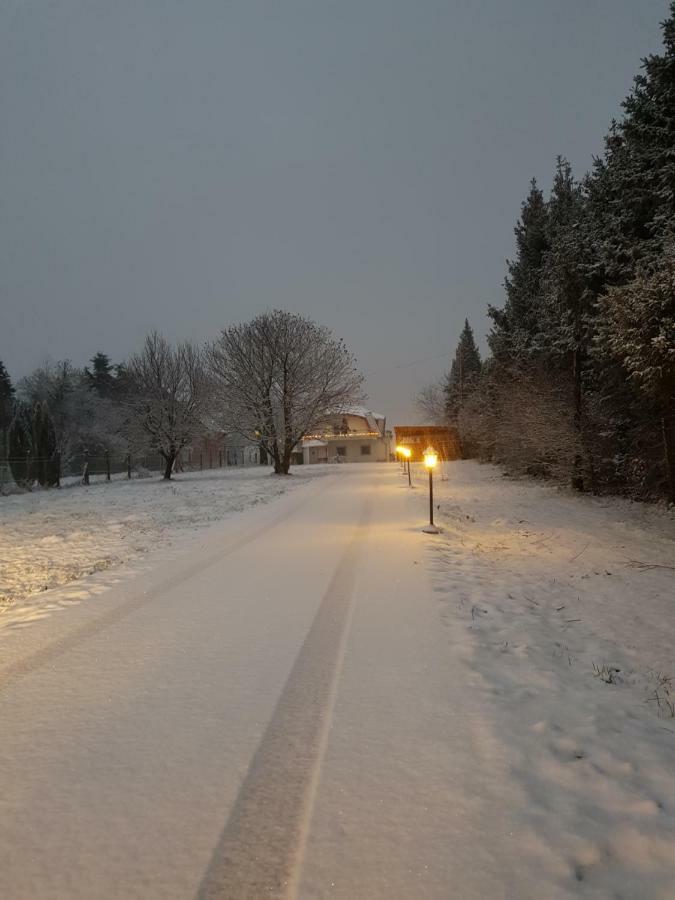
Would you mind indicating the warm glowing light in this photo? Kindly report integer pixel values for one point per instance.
(406, 451)
(430, 458)
(399, 449)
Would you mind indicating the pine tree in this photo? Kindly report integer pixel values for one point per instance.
(464, 373)
(38, 428)
(564, 287)
(6, 406)
(100, 377)
(635, 182)
(43, 444)
(21, 444)
(568, 297)
(6, 390)
(587, 326)
(639, 330)
(516, 325)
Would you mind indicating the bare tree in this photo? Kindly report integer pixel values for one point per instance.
(167, 397)
(279, 376)
(430, 401)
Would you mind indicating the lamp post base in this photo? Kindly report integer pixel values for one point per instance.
(431, 529)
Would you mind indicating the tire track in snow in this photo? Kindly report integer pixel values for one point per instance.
(261, 847)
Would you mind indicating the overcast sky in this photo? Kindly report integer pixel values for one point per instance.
(184, 165)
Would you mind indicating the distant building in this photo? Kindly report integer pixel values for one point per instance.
(444, 440)
(355, 434)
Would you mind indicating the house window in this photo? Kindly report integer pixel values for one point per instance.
(365, 449)
(341, 451)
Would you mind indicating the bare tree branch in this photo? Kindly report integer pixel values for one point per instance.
(168, 397)
(278, 377)
(430, 401)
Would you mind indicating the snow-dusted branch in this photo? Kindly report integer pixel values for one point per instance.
(167, 397)
(278, 377)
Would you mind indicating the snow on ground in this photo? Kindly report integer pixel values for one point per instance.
(563, 611)
(52, 538)
(557, 608)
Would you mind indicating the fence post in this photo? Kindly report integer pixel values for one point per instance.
(129, 466)
(220, 459)
(201, 460)
(107, 465)
(210, 459)
(85, 471)
(57, 465)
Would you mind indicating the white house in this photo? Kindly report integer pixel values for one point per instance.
(355, 434)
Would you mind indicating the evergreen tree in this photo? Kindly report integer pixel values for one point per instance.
(516, 325)
(639, 330)
(564, 289)
(464, 373)
(568, 297)
(6, 396)
(635, 183)
(587, 330)
(43, 444)
(100, 376)
(21, 444)
(6, 406)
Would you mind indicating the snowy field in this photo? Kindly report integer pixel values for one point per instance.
(563, 611)
(52, 538)
(559, 611)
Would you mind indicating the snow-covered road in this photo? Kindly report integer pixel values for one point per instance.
(314, 699)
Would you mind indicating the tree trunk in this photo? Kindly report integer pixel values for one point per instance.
(282, 460)
(577, 472)
(169, 460)
(282, 465)
(668, 425)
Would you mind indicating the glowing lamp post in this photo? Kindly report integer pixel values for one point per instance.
(404, 454)
(430, 460)
(407, 452)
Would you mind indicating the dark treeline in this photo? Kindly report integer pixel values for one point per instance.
(57, 413)
(267, 381)
(580, 385)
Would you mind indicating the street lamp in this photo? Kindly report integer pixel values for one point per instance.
(407, 453)
(430, 460)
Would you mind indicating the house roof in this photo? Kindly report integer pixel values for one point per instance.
(359, 411)
(375, 420)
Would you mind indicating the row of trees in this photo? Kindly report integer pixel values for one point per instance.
(581, 379)
(269, 380)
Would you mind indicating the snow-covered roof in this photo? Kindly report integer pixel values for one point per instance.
(361, 411)
(314, 443)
